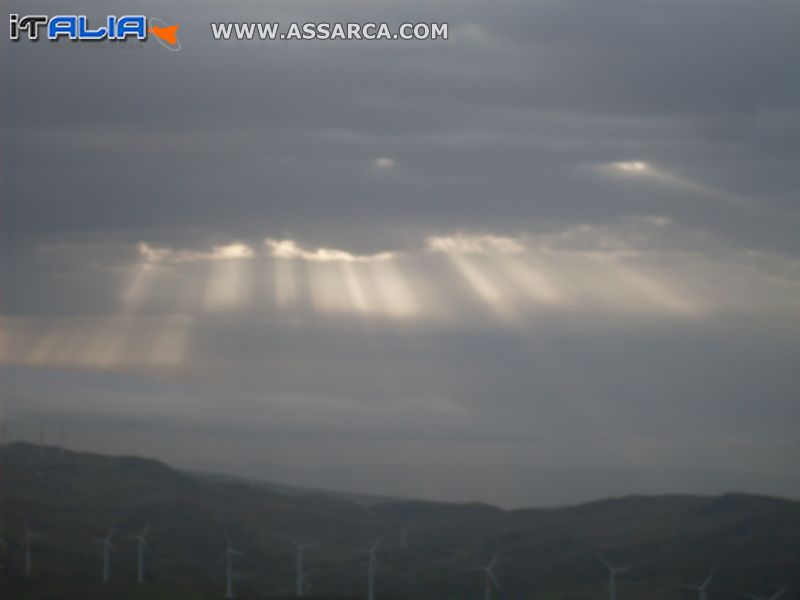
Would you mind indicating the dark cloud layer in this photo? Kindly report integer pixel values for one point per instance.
(494, 125)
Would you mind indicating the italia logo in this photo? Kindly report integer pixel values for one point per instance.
(78, 27)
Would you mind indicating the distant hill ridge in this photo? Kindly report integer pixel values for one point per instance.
(428, 549)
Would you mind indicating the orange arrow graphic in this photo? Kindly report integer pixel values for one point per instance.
(168, 34)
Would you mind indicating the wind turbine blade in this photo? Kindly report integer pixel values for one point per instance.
(606, 564)
(707, 582)
(779, 593)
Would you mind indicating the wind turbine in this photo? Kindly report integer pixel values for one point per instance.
(774, 596)
(29, 537)
(702, 588)
(489, 577)
(141, 546)
(227, 558)
(107, 549)
(612, 576)
(301, 548)
(372, 564)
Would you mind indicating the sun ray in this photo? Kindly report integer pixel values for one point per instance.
(354, 283)
(534, 282)
(397, 299)
(482, 285)
(229, 285)
(171, 337)
(328, 294)
(285, 281)
(657, 293)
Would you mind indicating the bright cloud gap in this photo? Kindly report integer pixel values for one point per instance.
(291, 249)
(451, 281)
(505, 278)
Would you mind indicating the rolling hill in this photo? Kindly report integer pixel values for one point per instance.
(428, 550)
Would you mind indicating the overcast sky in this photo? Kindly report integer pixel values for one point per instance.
(550, 259)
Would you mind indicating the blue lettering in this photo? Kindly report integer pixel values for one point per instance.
(63, 25)
(131, 25)
(85, 33)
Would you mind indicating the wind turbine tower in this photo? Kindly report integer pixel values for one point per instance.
(230, 552)
(372, 564)
(107, 548)
(141, 546)
(28, 541)
(300, 554)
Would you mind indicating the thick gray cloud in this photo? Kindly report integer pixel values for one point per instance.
(562, 242)
(493, 125)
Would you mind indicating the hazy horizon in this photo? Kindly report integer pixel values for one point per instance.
(51, 454)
